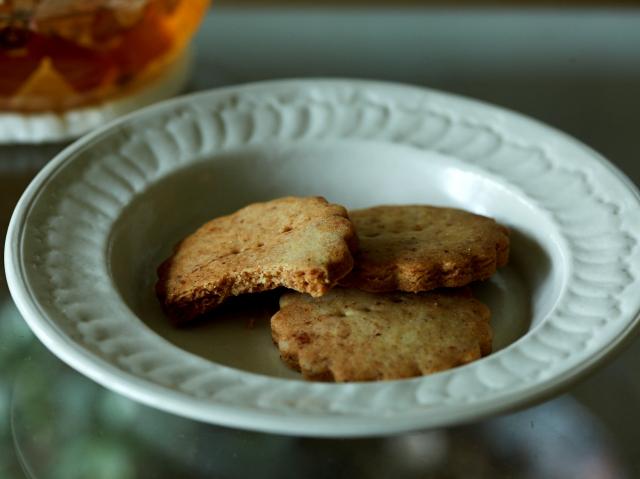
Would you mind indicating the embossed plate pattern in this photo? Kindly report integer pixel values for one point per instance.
(68, 264)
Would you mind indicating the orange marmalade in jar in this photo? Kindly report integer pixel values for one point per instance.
(57, 55)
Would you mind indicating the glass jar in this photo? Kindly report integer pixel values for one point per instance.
(57, 55)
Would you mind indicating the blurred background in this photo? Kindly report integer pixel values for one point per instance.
(574, 65)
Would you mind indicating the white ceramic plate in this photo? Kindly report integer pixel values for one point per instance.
(87, 235)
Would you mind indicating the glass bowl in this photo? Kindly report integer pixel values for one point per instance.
(58, 55)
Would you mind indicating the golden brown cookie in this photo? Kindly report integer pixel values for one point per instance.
(302, 243)
(352, 335)
(418, 248)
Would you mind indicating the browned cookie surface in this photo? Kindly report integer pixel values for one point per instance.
(352, 335)
(418, 248)
(302, 243)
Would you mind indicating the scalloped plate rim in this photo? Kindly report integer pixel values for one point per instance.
(145, 391)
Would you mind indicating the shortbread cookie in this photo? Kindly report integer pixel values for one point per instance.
(418, 248)
(302, 243)
(352, 335)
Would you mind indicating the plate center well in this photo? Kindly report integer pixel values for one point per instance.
(355, 174)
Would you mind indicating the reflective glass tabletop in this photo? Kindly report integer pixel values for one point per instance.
(55, 423)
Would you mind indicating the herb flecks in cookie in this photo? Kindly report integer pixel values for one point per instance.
(300, 243)
(417, 248)
(351, 335)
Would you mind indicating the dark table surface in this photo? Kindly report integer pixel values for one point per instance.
(578, 70)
